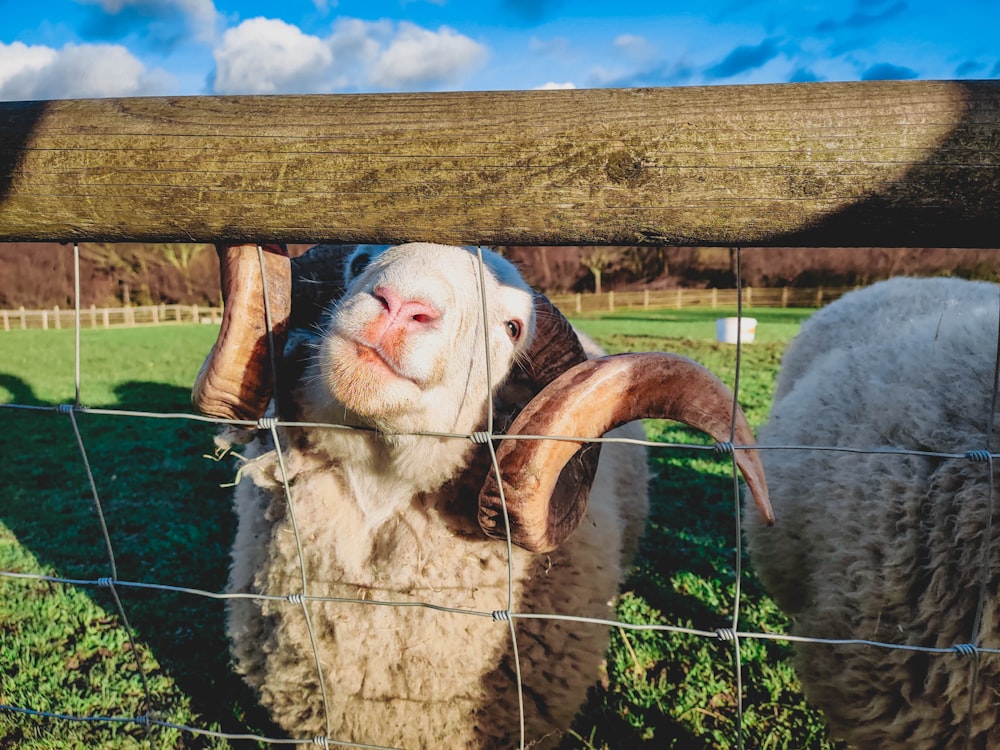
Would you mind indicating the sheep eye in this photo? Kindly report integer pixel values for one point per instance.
(513, 329)
(359, 263)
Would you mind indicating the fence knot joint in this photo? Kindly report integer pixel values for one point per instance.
(725, 634)
(979, 456)
(724, 448)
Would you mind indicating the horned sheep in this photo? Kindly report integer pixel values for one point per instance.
(888, 545)
(379, 514)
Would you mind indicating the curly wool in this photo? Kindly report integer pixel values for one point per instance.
(885, 546)
(391, 519)
(412, 677)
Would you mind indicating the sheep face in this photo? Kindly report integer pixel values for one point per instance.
(404, 350)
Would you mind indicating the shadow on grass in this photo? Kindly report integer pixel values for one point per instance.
(169, 522)
(20, 391)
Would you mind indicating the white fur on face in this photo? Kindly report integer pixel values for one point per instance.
(405, 347)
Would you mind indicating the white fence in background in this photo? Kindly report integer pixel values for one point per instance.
(108, 317)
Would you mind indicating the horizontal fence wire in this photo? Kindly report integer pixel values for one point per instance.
(147, 719)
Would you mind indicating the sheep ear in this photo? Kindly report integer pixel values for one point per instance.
(235, 382)
(585, 402)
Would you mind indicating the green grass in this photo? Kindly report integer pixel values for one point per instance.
(62, 648)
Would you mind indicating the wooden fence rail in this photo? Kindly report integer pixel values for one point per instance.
(862, 164)
(108, 317)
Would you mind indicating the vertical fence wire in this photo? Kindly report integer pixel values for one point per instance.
(495, 468)
(272, 424)
(738, 543)
(76, 324)
(109, 583)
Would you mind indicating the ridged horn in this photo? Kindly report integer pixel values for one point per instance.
(235, 381)
(586, 402)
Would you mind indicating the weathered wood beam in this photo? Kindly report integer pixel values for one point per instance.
(854, 164)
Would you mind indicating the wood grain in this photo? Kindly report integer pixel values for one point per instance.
(912, 164)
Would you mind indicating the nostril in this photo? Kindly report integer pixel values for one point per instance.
(399, 310)
(387, 298)
(420, 313)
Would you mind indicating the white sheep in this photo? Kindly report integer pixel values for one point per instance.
(383, 515)
(886, 546)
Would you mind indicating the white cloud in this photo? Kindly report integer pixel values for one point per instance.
(417, 56)
(75, 71)
(553, 86)
(559, 46)
(263, 56)
(267, 56)
(634, 46)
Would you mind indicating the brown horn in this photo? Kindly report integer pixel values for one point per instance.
(555, 349)
(586, 402)
(235, 382)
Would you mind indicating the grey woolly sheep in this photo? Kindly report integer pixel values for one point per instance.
(388, 516)
(887, 546)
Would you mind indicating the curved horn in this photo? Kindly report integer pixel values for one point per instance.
(235, 381)
(586, 402)
(554, 350)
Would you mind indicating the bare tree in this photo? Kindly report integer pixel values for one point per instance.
(597, 260)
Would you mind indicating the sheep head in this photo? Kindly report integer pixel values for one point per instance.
(405, 349)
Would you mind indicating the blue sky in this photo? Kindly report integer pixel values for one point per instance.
(93, 48)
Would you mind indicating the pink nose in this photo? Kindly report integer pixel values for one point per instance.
(403, 315)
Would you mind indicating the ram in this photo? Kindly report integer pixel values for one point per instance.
(448, 341)
(890, 536)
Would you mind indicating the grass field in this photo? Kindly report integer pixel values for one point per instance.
(62, 647)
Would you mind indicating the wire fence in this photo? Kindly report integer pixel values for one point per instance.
(148, 720)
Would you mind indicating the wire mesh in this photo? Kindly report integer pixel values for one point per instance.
(147, 718)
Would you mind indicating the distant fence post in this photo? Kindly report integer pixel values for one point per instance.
(57, 317)
(6, 321)
(24, 323)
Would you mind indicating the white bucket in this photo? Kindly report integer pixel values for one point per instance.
(727, 328)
